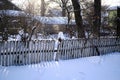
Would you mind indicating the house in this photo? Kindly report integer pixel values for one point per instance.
(13, 19)
(110, 29)
(53, 25)
(112, 14)
(6, 13)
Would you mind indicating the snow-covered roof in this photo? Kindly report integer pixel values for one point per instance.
(113, 7)
(44, 20)
(12, 12)
(54, 20)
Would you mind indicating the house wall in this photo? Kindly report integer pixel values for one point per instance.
(55, 28)
(14, 24)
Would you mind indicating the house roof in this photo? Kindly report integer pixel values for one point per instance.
(54, 20)
(12, 13)
(113, 7)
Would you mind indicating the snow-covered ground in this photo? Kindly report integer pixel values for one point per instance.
(105, 67)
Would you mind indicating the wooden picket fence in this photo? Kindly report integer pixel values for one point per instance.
(32, 52)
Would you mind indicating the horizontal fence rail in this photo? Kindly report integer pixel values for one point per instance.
(32, 52)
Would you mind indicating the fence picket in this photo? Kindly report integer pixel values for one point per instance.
(0, 54)
(4, 51)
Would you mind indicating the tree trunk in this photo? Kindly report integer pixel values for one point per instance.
(63, 10)
(118, 22)
(97, 18)
(64, 7)
(42, 8)
(78, 18)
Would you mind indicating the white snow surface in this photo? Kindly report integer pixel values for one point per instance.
(105, 67)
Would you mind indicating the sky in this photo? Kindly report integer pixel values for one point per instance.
(111, 2)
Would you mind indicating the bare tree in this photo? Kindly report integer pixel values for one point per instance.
(67, 11)
(43, 8)
(78, 18)
(97, 18)
(64, 7)
(88, 16)
(118, 21)
(28, 23)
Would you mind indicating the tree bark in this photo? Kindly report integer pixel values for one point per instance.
(64, 7)
(118, 22)
(97, 18)
(78, 18)
(42, 8)
(63, 10)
